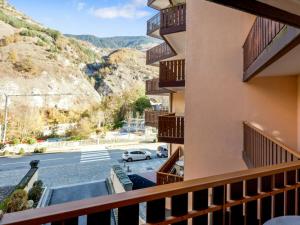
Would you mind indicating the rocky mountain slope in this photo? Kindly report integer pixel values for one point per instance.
(35, 60)
(136, 42)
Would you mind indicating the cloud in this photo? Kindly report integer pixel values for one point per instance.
(80, 6)
(132, 10)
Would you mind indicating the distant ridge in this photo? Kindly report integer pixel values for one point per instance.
(136, 42)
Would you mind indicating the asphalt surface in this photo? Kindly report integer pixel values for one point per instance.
(87, 165)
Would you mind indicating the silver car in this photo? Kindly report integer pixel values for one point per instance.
(133, 155)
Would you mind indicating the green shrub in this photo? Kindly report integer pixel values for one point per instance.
(17, 201)
(22, 151)
(52, 33)
(40, 43)
(35, 192)
(31, 141)
(75, 138)
(38, 183)
(6, 153)
(3, 205)
(40, 150)
(2, 146)
(16, 141)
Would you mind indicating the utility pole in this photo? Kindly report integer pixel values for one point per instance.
(5, 119)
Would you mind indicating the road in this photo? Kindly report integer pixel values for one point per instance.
(89, 164)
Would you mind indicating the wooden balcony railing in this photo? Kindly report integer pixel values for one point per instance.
(266, 42)
(173, 19)
(164, 175)
(153, 25)
(260, 149)
(261, 35)
(171, 129)
(152, 88)
(158, 53)
(151, 117)
(172, 73)
(249, 197)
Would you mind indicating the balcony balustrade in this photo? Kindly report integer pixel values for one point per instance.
(164, 175)
(249, 197)
(158, 53)
(152, 88)
(266, 42)
(172, 73)
(260, 149)
(171, 129)
(151, 117)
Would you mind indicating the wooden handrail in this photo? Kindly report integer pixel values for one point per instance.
(217, 183)
(151, 116)
(172, 73)
(158, 53)
(261, 35)
(167, 165)
(164, 175)
(153, 24)
(262, 149)
(171, 129)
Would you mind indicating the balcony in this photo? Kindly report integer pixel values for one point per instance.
(249, 197)
(261, 149)
(158, 53)
(172, 74)
(153, 26)
(268, 48)
(173, 20)
(171, 129)
(152, 88)
(167, 173)
(151, 117)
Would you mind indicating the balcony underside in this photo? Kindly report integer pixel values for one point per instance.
(285, 11)
(177, 41)
(171, 140)
(162, 4)
(280, 58)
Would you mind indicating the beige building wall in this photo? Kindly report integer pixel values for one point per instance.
(178, 103)
(217, 101)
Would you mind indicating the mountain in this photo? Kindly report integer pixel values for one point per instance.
(136, 42)
(35, 60)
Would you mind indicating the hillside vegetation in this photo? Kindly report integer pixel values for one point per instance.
(136, 42)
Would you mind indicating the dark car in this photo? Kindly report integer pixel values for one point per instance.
(162, 152)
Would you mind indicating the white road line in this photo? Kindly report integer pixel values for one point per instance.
(43, 160)
(96, 160)
(94, 156)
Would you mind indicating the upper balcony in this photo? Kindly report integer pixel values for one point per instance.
(271, 49)
(170, 25)
(159, 53)
(172, 74)
(171, 129)
(151, 117)
(153, 88)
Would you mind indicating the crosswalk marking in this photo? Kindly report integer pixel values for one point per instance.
(94, 156)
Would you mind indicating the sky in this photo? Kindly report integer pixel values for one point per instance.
(103, 18)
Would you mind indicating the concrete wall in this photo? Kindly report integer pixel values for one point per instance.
(217, 101)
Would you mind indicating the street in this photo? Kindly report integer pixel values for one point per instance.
(89, 164)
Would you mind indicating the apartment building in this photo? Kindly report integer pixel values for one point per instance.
(231, 69)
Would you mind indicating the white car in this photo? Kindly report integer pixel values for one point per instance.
(132, 155)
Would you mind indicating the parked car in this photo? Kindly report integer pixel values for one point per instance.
(162, 152)
(132, 155)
